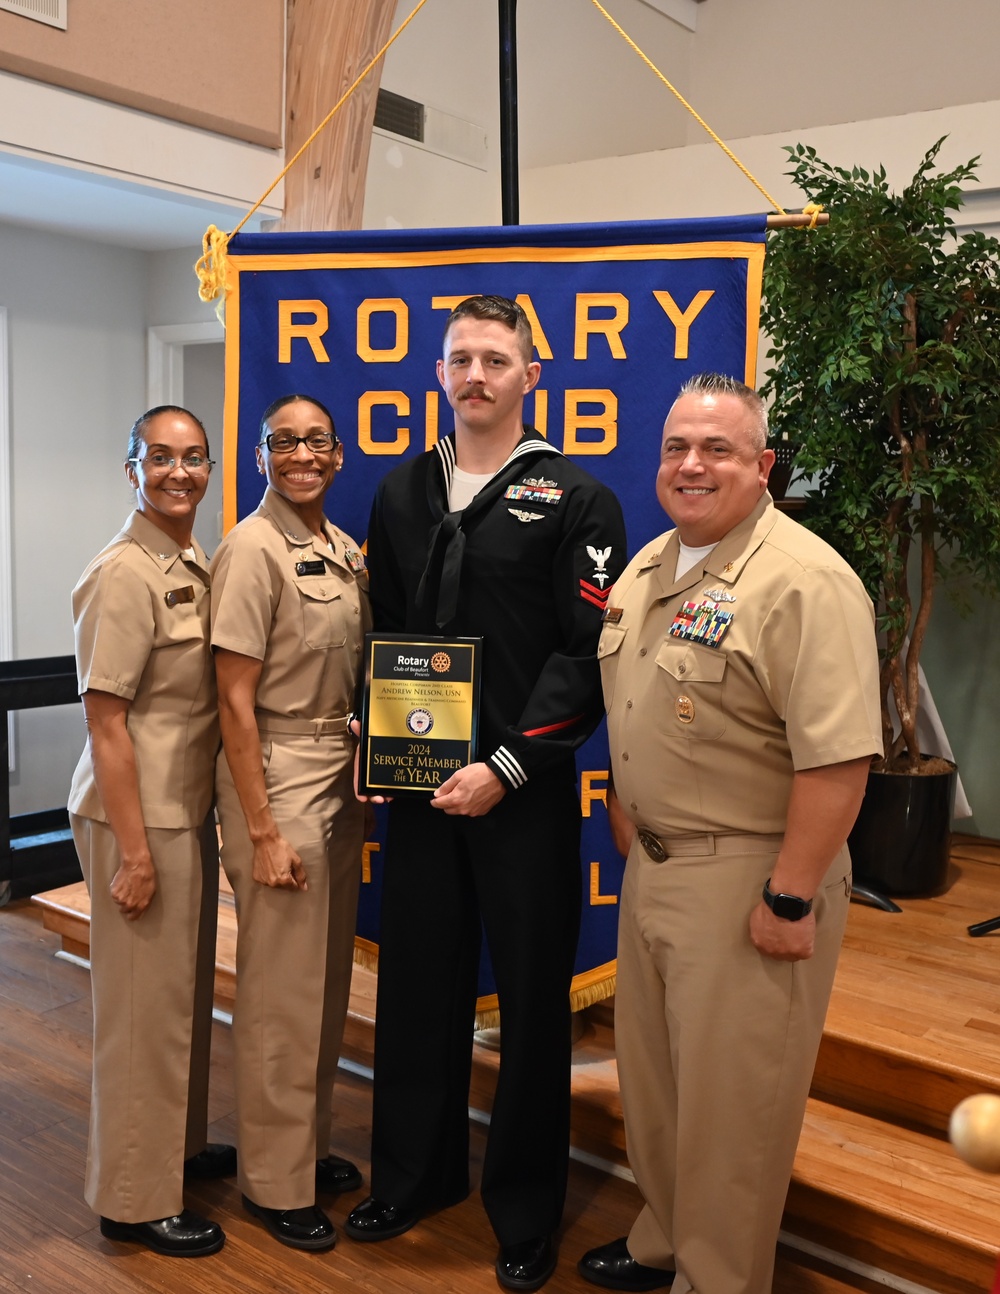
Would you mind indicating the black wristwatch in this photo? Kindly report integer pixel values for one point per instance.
(786, 906)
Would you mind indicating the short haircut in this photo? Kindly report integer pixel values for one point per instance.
(280, 403)
(503, 310)
(137, 434)
(720, 384)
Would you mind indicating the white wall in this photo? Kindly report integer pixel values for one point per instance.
(761, 66)
(204, 393)
(77, 313)
(76, 318)
(443, 59)
(700, 180)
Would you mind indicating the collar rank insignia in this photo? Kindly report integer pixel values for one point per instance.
(701, 622)
(354, 560)
(534, 490)
(526, 516)
(719, 595)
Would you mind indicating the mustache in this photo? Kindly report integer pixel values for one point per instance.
(478, 393)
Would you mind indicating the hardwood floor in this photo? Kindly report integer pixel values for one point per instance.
(49, 1240)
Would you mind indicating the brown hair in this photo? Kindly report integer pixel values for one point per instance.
(503, 310)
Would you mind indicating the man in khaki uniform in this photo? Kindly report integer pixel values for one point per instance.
(741, 680)
(289, 615)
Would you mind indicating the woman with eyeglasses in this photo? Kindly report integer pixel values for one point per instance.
(140, 809)
(289, 615)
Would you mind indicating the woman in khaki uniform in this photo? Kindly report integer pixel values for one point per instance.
(289, 614)
(140, 812)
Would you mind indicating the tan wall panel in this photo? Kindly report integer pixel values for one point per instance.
(216, 65)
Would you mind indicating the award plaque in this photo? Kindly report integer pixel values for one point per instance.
(420, 721)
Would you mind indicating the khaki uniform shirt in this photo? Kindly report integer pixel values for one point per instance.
(720, 685)
(141, 618)
(295, 602)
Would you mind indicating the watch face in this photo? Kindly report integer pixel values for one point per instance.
(789, 907)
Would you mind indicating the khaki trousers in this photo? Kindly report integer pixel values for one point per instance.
(294, 954)
(716, 1048)
(152, 982)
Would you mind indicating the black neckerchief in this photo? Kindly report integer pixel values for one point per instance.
(446, 548)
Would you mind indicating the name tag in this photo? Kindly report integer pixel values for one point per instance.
(315, 567)
(176, 596)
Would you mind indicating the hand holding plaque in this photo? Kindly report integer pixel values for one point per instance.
(420, 721)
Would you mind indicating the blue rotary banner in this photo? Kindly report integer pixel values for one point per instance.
(622, 314)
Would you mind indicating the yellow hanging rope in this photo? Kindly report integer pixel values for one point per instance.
(211, 265)
(704, 124)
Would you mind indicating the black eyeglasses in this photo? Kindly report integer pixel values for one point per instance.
(283, 442)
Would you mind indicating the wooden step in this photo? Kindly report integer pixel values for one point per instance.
(896, 1199)
(914, 1026)
(914, 1021)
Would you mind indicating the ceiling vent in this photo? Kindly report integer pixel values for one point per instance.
(431, 129)
(52, 12)
(399, 115)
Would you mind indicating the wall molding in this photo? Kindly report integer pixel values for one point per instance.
(165, 358)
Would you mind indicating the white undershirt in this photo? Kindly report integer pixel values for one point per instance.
(464, 488)
(189, 553)
(688, 557)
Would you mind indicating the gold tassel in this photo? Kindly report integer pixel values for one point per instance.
(212, 265)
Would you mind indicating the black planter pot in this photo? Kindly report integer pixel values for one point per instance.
(900, 842)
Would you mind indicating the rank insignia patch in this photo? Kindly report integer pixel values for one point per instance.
(591, 593)
(701, 622)
(599, 556)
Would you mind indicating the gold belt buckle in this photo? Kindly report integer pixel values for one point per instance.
(652, 846)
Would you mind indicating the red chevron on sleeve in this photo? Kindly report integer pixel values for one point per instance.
(591, 593)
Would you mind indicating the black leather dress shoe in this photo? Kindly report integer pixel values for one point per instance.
(334, 1175)
(307, 1228)
(527, 1265)
(614, 1267)
(216, 1160)
(373, 1219)
(185, 1235)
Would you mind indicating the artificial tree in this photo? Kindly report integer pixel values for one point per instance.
(885, 332)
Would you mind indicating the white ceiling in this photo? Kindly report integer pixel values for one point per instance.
(105, 209)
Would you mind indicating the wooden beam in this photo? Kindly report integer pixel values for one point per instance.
(327, 46)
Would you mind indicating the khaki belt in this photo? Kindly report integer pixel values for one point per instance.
(660, 848)
(284, 726)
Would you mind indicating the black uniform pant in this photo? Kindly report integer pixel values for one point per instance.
(514, 874)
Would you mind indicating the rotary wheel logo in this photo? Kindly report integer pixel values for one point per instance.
(441, 662)
(420, 722)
